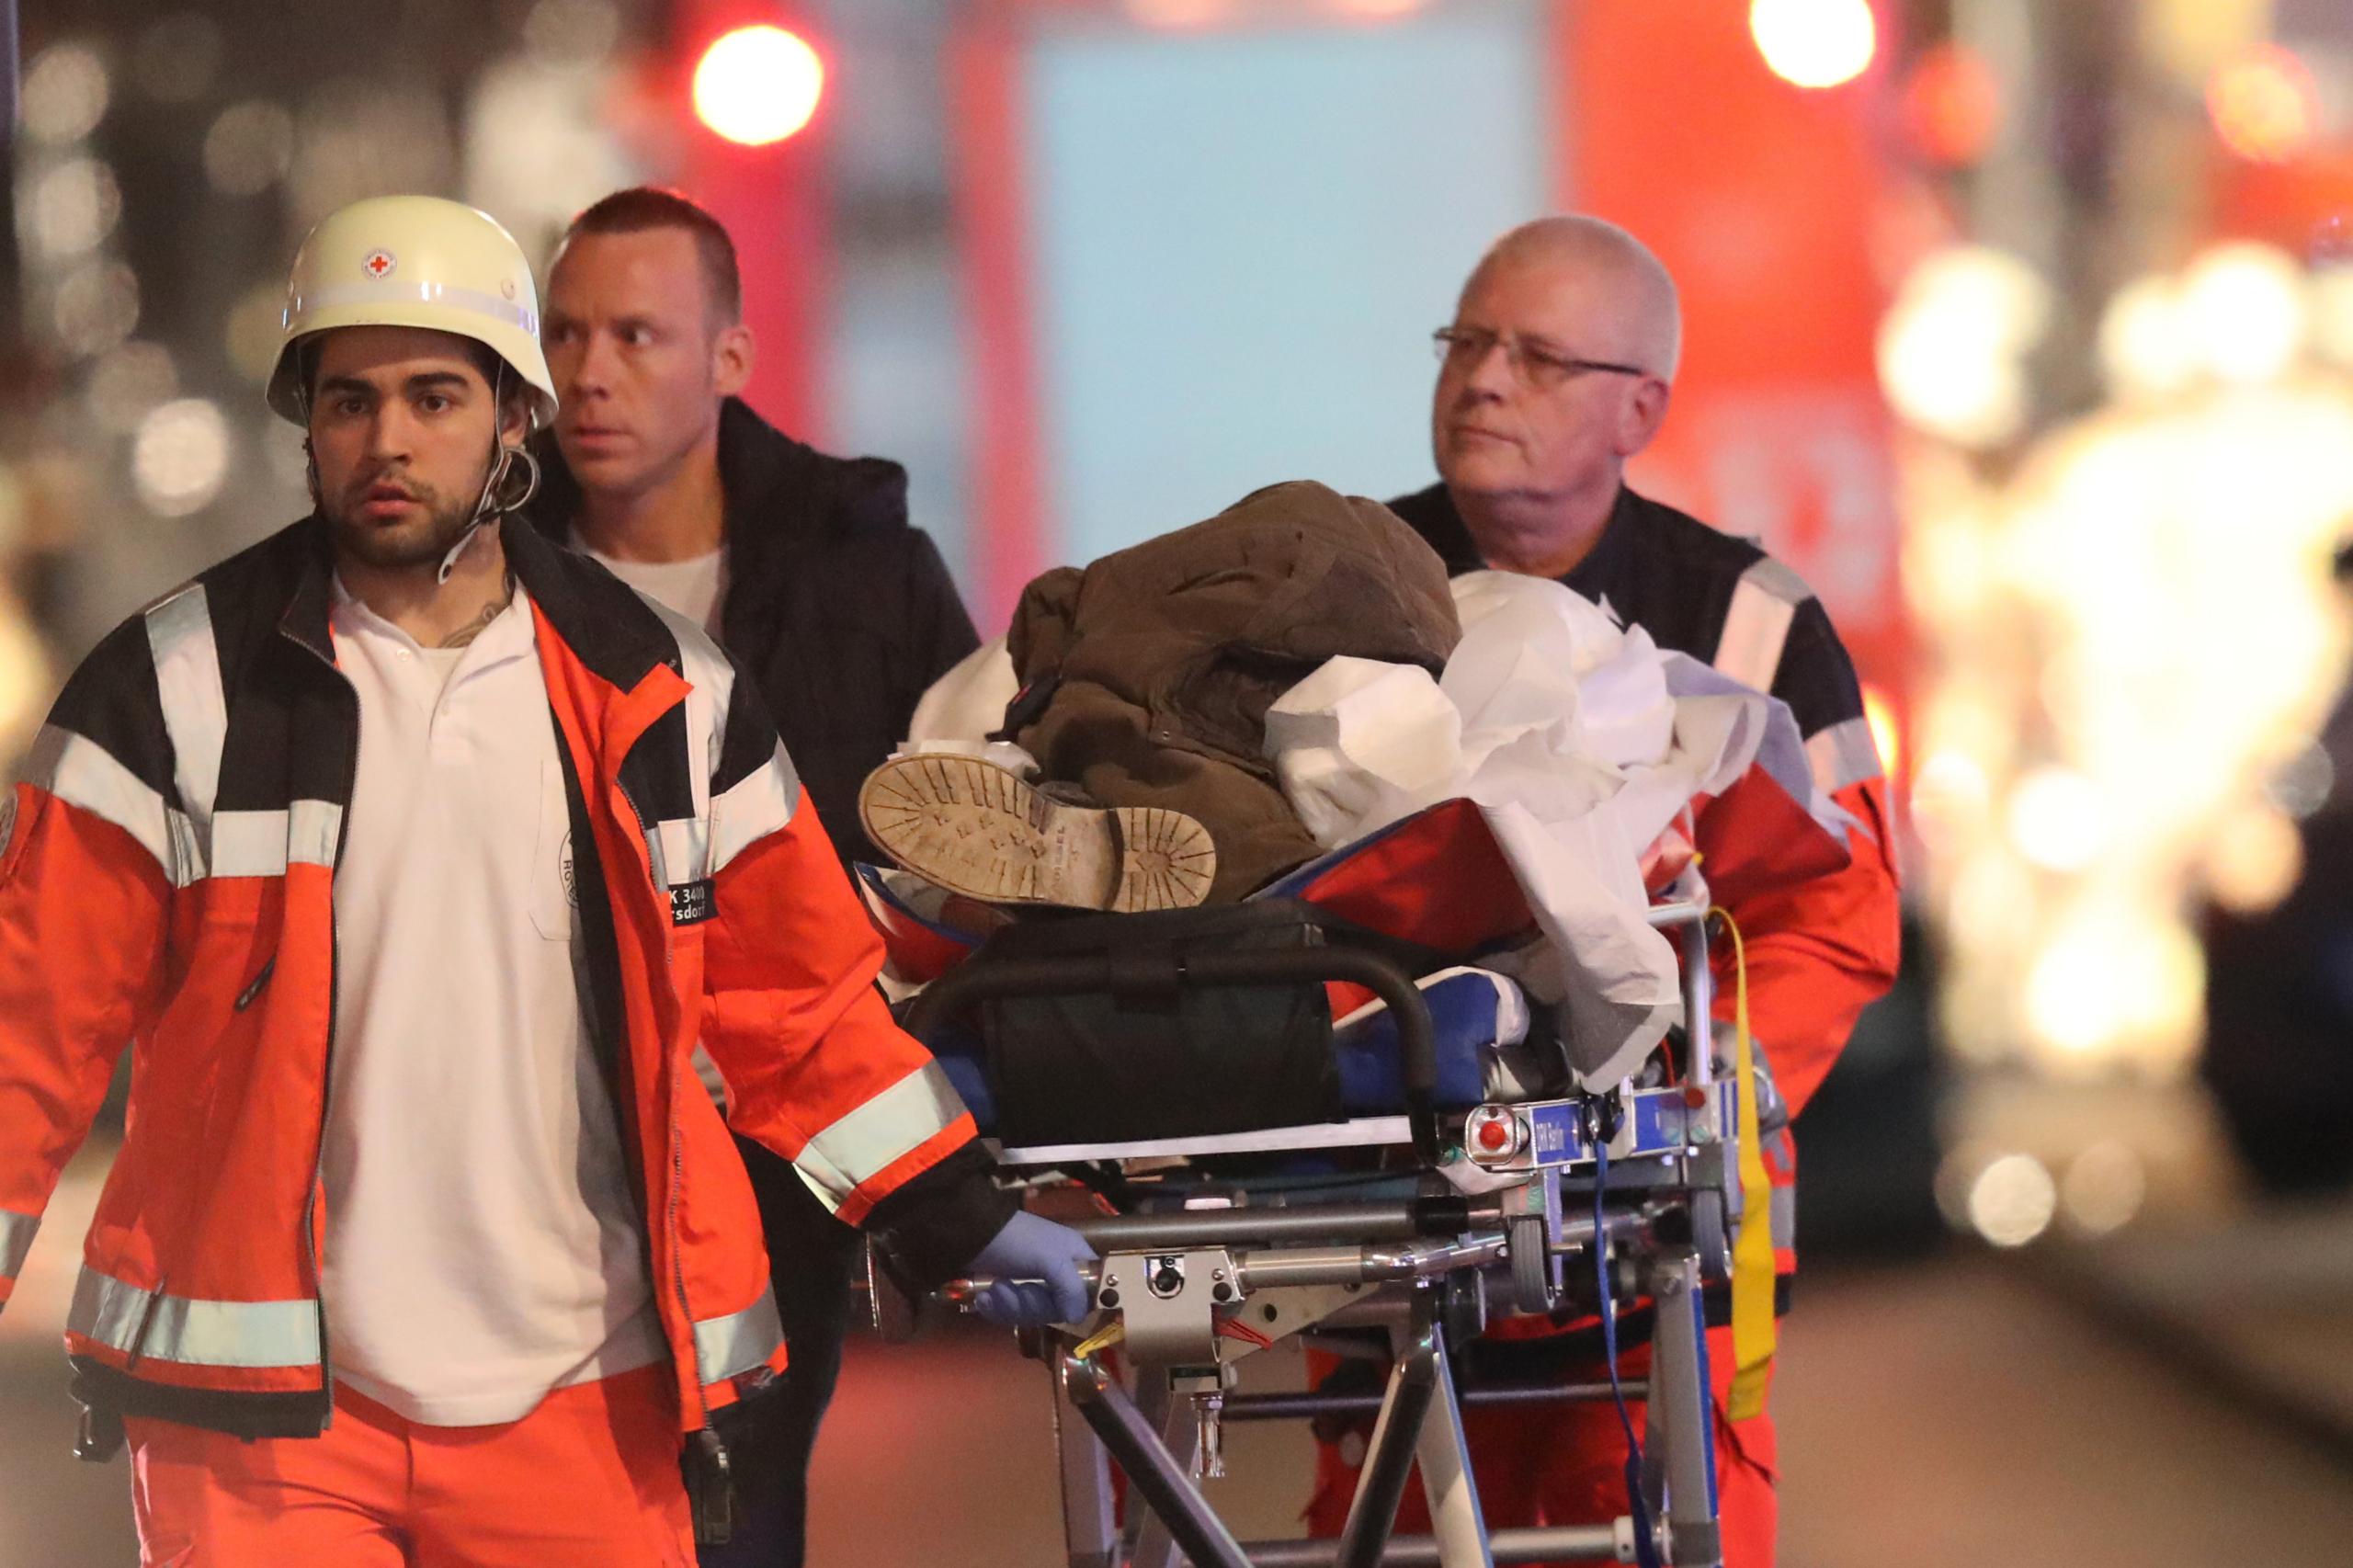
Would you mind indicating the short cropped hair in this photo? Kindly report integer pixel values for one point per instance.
(644, 207)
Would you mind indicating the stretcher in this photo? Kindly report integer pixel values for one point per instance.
(1567, 1197)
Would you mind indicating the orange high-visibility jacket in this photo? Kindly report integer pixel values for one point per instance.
(167, 884)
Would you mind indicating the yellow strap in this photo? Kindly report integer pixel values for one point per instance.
(1753, 1328)
(1111, 1335)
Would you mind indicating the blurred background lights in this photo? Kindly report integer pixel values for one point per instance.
(1813, 43)
(129, 382)
(249, 147)
(1952, 104)
(2103, 1189)
(1951, 346)
(2331, 299)
(2252, 861)
(2300, 784)
(2012, 1200)
(64, 94)
(253, 330)
(2057, 820)
(96, 307)
(567, 35)
(758, 85)
(2243, 311)
(73, 208)
(2144, 347)
(1179, 16)
(1879, 713)
(180, 457)
(2264, 104)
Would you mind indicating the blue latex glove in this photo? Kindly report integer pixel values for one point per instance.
(1034, 1264)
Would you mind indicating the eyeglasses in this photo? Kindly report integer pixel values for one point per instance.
(1538, 370)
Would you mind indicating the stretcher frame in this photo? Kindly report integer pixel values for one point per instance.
(1429, 1268)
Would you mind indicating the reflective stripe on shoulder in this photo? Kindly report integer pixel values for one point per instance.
(760, 804)
(196, 707)
(80, 772)
(193, 1333)
(1842, 754)
(727, 1347)
(263, 843)
(879, 1133)
(1757, 624)
(17, 1231)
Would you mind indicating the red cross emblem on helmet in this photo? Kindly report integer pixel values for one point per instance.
(378, 264)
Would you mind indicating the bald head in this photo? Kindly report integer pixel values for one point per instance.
(1557, 370)
(1628, 300)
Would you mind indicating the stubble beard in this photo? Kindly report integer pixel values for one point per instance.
(390, 547)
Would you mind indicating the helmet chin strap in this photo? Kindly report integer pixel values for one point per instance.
(487, 505)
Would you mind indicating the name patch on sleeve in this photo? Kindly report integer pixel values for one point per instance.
(691, 903)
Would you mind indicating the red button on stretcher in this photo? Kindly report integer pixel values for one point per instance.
(1495, 1135)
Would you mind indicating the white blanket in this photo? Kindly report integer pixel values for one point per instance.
(1579, 740)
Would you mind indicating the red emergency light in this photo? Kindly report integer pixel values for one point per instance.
(758, 85)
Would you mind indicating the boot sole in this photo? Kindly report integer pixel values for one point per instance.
(980, 830)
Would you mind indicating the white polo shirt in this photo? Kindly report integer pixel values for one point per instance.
(481, 1245)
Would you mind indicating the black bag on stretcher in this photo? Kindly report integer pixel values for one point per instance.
(1146, 1052)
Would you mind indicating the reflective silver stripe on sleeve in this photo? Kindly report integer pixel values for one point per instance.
(685, 846)
(196, 708)
(760, 804)
(17, 1231)
(1842, 754)
(263, 843)
(1784, 1216)
(83, 773)
(886, 1130)
(194, 1333)
(1757, 624)
(739, 1342)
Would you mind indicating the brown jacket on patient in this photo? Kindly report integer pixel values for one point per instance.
(1147, 677)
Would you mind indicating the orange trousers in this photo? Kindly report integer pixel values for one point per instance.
(1566, 1464)
(587, 1480)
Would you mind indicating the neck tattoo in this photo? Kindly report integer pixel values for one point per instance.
(490, 612)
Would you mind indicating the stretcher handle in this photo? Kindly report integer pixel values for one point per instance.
(1102, 974)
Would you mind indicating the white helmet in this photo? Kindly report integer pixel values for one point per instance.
(413, 261)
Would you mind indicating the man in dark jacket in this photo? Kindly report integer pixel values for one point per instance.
(1556, 369)
(805, 568)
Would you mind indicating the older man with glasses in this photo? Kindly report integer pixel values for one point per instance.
(1558, 367)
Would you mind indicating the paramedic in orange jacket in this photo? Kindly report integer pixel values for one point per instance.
(1557, 367)
(454, 903)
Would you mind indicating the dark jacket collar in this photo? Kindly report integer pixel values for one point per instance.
(773, 485)
(1436, 517)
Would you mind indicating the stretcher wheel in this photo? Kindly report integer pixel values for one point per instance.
(1531, 1263)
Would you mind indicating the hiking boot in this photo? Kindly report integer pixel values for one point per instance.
(978, 829)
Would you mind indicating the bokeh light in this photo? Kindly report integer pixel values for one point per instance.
(2103, 1189)
(181, 458)
(2144, 344)
(1952, 105)
(129, 382)
(2012, 1200)
(2252, 861)
(2244, 311)
(2264, 104)
(1813, 43)
(96, 307)
(249, 147)
(1952, 346)
(64, 94)
(758, 85)
(2057, 820)
(74, 207)
(1887, 737)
